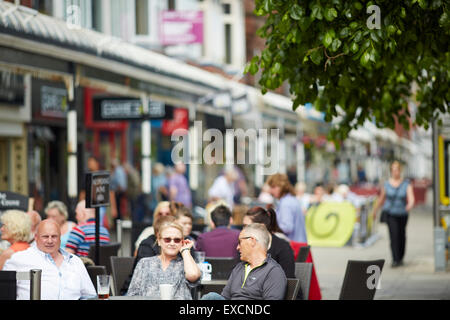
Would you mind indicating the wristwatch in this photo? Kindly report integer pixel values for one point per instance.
(181, 251)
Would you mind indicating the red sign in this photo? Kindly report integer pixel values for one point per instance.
(180, 121)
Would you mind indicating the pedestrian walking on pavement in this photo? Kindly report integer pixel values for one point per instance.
(397, 199)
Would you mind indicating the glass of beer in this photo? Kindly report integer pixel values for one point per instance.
(103, 283)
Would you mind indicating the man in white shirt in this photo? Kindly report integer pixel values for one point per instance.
(223, 187)
(64, 276)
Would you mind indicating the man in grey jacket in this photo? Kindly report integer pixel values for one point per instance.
(257, 276)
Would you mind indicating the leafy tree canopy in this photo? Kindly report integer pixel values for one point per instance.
(358, 60)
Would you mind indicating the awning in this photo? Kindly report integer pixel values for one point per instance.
(21, 27)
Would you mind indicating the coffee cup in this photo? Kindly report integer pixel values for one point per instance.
(166, 291)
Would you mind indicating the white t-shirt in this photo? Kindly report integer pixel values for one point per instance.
(223, 190)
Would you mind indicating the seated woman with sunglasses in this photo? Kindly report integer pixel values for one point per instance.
(174, 265)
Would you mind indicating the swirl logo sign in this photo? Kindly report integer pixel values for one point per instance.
(330, 224)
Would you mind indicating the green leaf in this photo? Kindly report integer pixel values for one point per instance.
(316, 12)
(296, 12)
(330, 14)
(344, 32)
(423, 4)
(327, 39)
(253, 69)
(358, 5)
(374, 36)
(317, 56)
(391, 29)
(335, 45)
(276, 67)
(365, 58)
(354, 47)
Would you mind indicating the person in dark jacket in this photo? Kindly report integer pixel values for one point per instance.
(279, 249)
(257, 276)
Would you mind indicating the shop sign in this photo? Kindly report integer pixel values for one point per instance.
(121, 109)
(97, 189)
(181, 27)
(180, 121)
(12, 89)
(11, 200)
(53, 102)
(159, 110)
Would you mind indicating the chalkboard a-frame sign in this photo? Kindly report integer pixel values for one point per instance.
(97, 189)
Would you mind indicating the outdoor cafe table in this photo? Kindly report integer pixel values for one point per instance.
(130, 298)
(205, 283)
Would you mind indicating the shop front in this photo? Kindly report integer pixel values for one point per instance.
(47, 136)
(14, 115)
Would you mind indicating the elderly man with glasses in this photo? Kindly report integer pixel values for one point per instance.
(257, 276)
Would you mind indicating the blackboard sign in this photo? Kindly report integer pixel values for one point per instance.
(11, 200)
(97, 189)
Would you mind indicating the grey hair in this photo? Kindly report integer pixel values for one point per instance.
(259, 232)
(62, 208)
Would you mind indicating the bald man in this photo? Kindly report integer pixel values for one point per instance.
(64, 276)
(83, 235)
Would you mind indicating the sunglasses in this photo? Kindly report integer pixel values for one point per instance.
(169, 240)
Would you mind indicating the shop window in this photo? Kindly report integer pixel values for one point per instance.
(228, 43)
(142, 18)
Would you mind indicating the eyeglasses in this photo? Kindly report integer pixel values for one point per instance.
(244, 239)
(169, 240)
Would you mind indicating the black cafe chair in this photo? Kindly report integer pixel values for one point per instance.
(303, 253)
(94, 271)
(106, 251)
(356, 284)
(121, 268)
(303, 272)
(8, 283)
(292, 288)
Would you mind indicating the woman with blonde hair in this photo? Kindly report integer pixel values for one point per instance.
(397, 199)
(164, 208)
(16, 229)
(175, 265)
(57, 211)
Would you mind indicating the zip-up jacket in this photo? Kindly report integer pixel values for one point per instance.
(265, 282)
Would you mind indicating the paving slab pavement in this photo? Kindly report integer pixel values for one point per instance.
(416, 280)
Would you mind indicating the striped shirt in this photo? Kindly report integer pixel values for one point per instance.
(83, 235)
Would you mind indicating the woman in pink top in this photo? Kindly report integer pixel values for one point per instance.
(16, 229)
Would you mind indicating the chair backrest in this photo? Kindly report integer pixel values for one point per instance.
(303, 272)
(120, 269)
(93, 271)
(106, 251)
(303, 254)
(8, 283)
(221, 267)
(356, 284)
(293, 286)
